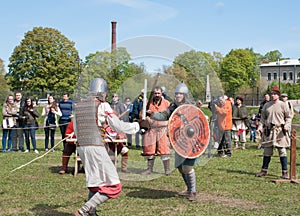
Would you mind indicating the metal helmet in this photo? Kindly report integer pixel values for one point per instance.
(98, 88)
(182, 88)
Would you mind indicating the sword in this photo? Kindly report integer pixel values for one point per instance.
(144, 101)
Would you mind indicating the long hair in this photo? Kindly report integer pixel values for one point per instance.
(25, 106)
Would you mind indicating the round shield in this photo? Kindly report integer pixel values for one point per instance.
(188, 131)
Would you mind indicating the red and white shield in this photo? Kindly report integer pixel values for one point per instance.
(188, 131)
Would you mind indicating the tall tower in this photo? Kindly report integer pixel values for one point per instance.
(208, 95)
(113, 35)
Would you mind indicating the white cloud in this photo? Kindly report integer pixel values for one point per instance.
(24, 25)
(220, 5)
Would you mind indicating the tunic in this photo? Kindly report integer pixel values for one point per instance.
(273, 117)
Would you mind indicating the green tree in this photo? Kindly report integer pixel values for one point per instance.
(4, 88)
(114, 67)
(238, 69)
(272, 56)
(193, 67)
(44, 61)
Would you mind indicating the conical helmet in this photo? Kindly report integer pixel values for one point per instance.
(98, 88)
(182, 88)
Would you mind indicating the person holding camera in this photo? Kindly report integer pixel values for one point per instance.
(50, 112)
(224, 118)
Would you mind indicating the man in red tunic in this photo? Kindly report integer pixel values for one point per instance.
(156, 142)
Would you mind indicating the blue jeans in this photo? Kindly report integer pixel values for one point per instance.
(29, 130)
(6, 132)
(253, 134)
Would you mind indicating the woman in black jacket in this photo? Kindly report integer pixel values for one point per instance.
(29, 115)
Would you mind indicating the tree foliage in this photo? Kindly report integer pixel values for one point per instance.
(4, 88)
(193, 67)
(238, 68)
(272, 56)
(114, 67)
(44, 61)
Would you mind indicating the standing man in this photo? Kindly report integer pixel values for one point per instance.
(224, 118)
(18, 135)
(284, 98)
(117, 106)
(66, 108)
(239, 123)
(127, 118)
(92, 116)
(156, 141)
(266, 100)
(275, 126)
(135, 114)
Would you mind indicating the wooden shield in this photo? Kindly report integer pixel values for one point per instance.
(188, 131)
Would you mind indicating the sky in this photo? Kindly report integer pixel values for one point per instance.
(204, 25)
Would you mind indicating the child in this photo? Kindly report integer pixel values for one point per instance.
(253, 127)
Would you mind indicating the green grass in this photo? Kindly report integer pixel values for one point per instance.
(226, 186)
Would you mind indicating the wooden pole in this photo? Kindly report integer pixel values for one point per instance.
(293, 176)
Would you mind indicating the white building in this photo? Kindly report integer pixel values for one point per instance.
(284, 71)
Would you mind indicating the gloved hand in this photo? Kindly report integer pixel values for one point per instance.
(144, 126)
(149, 113)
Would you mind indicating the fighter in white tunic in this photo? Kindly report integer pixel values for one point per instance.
(91, 116)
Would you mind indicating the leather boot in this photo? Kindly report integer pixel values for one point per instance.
(124, 161)
(192, 196)
(167, 167)
(149, 170)
(65, 162)
(262, 173)
(285, 174)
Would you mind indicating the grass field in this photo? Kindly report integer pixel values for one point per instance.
(226, 186)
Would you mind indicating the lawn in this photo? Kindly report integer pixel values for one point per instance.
(226, 186)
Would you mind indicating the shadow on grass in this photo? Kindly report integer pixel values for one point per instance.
(148, 193)
(244, 172)
(55, 169)
(45, 210)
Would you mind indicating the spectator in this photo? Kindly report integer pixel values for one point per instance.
(117, 106)
(29, 114)
(135, 115)
(127, 118)
(18, 135)
(253, 127)
(239, 123)
(50, 112)
(284, 98)
(9, 111)
(266, 100)
(66, 108)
